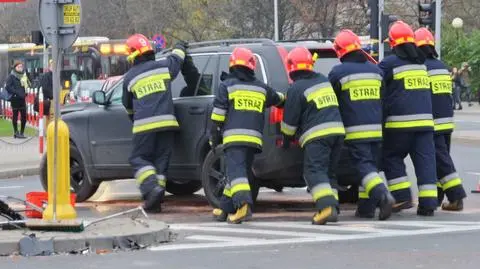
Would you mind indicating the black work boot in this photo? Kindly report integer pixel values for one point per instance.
(397, 207)
(440, 195)
(421, 211)
(386, 206)
(153, 200)
(365, 208)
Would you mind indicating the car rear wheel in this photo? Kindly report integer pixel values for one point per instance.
(214, 179)
(183, 188)
(80, 184)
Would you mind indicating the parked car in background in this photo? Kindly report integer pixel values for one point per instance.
(82, 92)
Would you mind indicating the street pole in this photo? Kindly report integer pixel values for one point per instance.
(275, 19)
(56, 98)
(45, 55)
(381, 48)
(438, 27)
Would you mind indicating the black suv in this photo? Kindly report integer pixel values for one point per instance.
(100, 133)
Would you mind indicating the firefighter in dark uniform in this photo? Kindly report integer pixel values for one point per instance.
(449, 182)
(358, 85)
(148, 101)
(408, 122)
(311, 114)
(238, 122)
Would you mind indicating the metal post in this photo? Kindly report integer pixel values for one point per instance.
(45, 55)
(275, 19)
(381, 48)
(438, 27)
(56, 99)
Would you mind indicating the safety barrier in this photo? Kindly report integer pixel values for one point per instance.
(34, 119)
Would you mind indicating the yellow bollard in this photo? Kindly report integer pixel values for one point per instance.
(64, 209)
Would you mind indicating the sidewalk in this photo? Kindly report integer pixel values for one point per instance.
(19, 157)
(472, 110)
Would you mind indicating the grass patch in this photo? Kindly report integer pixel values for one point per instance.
(6, 129)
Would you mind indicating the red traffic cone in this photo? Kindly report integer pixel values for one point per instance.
(478, 188)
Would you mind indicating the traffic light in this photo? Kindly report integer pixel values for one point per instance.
(426, 14)
(387, 20)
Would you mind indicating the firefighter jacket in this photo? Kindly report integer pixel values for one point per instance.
(442, 86)
(311, 109)
(147, 94)
(407, 103)
(239, 108)
(358, 86)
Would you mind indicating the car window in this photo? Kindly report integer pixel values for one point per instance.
(224, 66)
(325, 65)
(116, 93)
(201, 74)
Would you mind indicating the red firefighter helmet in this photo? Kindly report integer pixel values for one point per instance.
(243, 57)
(400, 33)
(137, 45)
(346, 42)
(424, 37)
(299, 58)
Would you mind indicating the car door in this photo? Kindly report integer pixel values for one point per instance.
(110, 131)
(193, 101)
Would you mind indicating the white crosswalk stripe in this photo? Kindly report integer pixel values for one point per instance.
(223, 235)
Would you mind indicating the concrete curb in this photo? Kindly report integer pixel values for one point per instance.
(107, 236)
(19, 172)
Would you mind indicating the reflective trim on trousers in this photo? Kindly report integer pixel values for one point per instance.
(162, 181)
(242, 135)
(239, 184)
(227, 191)
(322, 190)
(362, 194)
(143, 173)
(370, 181)
(324, 129)
(450, 181)
(364, 131)
(399, 183)
(427, 191)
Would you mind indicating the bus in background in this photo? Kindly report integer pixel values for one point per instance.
(88, 58)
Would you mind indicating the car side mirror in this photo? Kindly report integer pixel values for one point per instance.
(99, 98)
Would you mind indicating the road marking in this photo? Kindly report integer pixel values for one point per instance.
(12, 187)
(473, 173)
(363, 230)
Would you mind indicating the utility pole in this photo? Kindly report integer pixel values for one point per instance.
(381, 48)
(275, 19)
(438, 27)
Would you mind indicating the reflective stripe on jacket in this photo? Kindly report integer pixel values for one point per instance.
(407, 102)
(240, 108)
(147, 94)
(358, 86)
(311, 110)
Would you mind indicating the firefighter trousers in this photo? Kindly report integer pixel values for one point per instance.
(420, 146)
(364, 157)
(238, 166)
(150, 159)
(449, 182)
(320, 158)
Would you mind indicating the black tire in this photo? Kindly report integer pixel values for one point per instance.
(80, 183)
(213, 179)
(183, 188)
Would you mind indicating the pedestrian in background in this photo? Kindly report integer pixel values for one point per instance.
(456, 89)
(16, 83)
(45, 82)
(465, 82)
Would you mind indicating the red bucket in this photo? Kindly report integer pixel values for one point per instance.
(40, 199)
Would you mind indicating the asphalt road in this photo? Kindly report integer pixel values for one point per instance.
(281, 235)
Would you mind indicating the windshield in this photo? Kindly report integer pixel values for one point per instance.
(86, 88)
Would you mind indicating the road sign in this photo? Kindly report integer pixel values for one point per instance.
(160, 41)
(62, 18)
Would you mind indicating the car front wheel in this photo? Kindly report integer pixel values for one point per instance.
(80, 184)
(214, 178)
